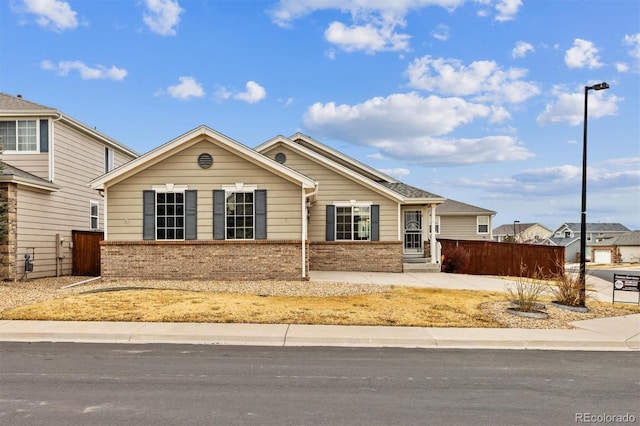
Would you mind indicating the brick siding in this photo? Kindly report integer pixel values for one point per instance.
(206, 260)
(365, 256)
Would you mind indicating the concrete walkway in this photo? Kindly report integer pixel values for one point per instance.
(609, 334)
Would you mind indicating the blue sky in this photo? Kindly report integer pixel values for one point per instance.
(481, 101)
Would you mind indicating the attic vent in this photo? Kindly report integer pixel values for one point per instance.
(281, 158)
(205, 161)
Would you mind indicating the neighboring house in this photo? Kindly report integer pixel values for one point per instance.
(628, 247)
(530, 233)
(206, 206)
(49, 159)
(461, 221)
(599, 240)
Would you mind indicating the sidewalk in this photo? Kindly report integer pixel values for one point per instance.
(608, 334)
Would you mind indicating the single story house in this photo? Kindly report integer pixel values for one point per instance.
(206, 206)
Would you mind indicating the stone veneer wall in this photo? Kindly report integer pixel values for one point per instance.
(616, 256)
(360, 256)
(9, 245)
(203, 260)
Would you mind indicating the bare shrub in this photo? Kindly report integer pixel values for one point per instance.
(566, 289)
(455, 260)
(526, 292)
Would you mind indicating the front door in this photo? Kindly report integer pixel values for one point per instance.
(413, 242)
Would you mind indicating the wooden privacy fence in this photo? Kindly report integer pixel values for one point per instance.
(494, 258)
(86, 252)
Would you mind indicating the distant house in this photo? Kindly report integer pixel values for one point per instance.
(600, 237)
(461, 221)
(49, 159)
(627, 247)
(530, 233)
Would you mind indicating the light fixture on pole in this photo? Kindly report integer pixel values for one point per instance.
(583, 217)
(514, 229)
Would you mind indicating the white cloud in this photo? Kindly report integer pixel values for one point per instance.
(368, 38)
(397, 173)
(186, 89)
(485, 80)
(55, 15)
(441, 32)
(569, 107)
(373, 23)
(582, 54)
(409, 127)
(634, 42)
(507, 9)
(521, 49)
(98, 72)
(162, 16)
(622, 67)
(398, 114)
(253, 94)
(561, 179)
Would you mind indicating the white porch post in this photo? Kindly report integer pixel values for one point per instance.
(432, 235)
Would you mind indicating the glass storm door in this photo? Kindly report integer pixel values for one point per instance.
(413, 232)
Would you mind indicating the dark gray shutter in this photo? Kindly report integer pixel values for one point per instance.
(44, 135)
(149, 215)
(331, 223)
(261, 214)
(218, 214)
(191, 216)
(375, 222)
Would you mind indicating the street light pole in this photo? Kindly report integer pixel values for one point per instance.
(514, 229)
(583, 216)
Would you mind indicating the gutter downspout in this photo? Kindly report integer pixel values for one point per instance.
(305, 219)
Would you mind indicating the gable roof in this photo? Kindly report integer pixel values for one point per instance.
(356, 171)
(16, 106)
(631, 238)
(594, 227)
(11, 174)
(453, 207)
(192, 137)
(507, 229)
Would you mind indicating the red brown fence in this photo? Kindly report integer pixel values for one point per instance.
(493, 258)
(86, 252)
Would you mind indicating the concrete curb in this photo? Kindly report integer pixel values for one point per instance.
(313, 335)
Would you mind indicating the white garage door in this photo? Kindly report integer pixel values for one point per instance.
(602, 256)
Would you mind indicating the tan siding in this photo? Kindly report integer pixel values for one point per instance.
(38, 225)
(334, 187)
(41, 215)
(461, 227)
(36, 164)
(283, 197)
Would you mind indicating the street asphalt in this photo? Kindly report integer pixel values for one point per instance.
(608, 334)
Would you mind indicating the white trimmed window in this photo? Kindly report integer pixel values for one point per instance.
(239, 215)
(169, 215)
(94, 215)
(353, 222)
(19, 135)
(483, 224)
(437, 224)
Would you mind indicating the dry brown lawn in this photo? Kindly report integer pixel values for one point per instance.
(401, 306)
(279, 303)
